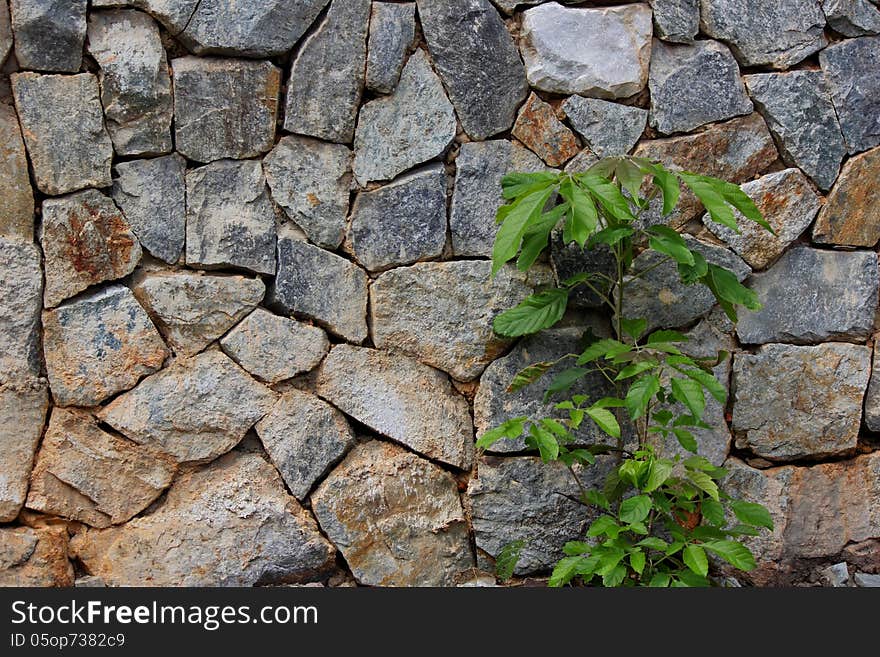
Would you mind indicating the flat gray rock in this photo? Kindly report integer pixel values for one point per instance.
(392, 34)
(23, 405)
(16, 195)
(49, 34)
(607, 128)
(21, 298)
(676, 20)
(867, 580)
(854, 82)
(852, 18)
(849, 216)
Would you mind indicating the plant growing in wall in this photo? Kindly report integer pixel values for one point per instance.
(660, 514)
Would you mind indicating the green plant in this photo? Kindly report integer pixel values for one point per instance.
(659, 514)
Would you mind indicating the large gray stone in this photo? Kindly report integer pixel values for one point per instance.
(800, 115)
(413, 125)
(391, 393)
(607, 128)
(16, 195)
(396, 518)
(173, 14)
(392, 34)
(152, 196)
(811, 296)
(224, 108)
(49, 34)
(23, 405)
(63, 128)
(477, 59)
(692, 85)
(5, 32)
(21, 297)
(34, 557)
(402, 222)
(230, 220)
(676, 20)
(327, 76)
(849, 216)
(230, 523)
(541, 131)
(872, 396)
(778, 34)
(852, 18)
(793, 402)
(311, 180)
(855, 89)
(593, 52)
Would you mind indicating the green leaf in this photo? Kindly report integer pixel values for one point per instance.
(566, 570)
(604, 348)
(695, 558)
(742, 202)
(637, 561)
(633, 327)
(713, 512)
(689, 393)
(529, 375)
(583, 216)
(546, 443)
(718, 209)
(535, 239)
(611, 235)
(691, 579)
(505, 562)
(605, 420)
(564, 380)
(630, 176)
(653, 543)
(729, 291)
(596, 498)
(752, 514)
(691, 274)
(669, 185)
(667, 241)
(583, 455)
(686, 439)
(704, 482)
(708, 381)
(511, 429)
(635, 369)
(609, 402)
(516, 221)
(666, 336)
(640, 393)
(535, 313)
(609, 196)
(520, 184)
(615, 576)
(660, 581)
(658, 473)
(577, 548)
(733, 552)
(604, 525)
(635, 509)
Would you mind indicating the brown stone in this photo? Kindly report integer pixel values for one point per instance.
(16, 196)
(34, 557)
(538, 128)
(851, 216)
(23, 406)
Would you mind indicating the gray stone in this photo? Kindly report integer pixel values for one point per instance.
(97, 345)
(676, 20)
(413, 125)
(49, 34)
(793, 402)
(224, 108)
(173, 14)
(193, 309)
(152, 196)
(607, 128)
(852, 18)
(327, 76)
(135, 85)
(593, 52)
(34, 557)
(230, 220)
(855, 89)
(5, 32)
(86, 474)
(479, 168)
(872, 397)
(835, 576)
(849, 216)
(811, 296)
(477, 59)
(692, 85)
(867, 580)
(23, 405)
(392, 34)
(441, 312)
(311, 180)
(509, 6)
(539, 129)
(228, 524)
(86, 240)
(778, 34)
(788, 203)
(63, 128)
(21, 297)
(305, 437)
(195, 410)
(799, 113)
(581, 162)
(402, 222)
(391, 393)
(321, 286)
(396, 518)
(16, 195)
(274, 348)
(569, 260)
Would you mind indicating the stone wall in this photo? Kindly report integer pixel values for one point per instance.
(245, 310)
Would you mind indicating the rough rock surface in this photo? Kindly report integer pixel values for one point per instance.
(849, 216)
(569, 260)
(392, 395)
(49, 34)
(97, 345)
(305, 437)
(872, 396)
(195, 410)
(86, 240)
(224, 108)
(812, 295)
(852, 18)
(16, 195)
(676, 20)
(607, 128)
(230, 523)
(538, 128)
(396, 518)
(34, 557)
(793, 403)
(5, 32)
(23, 408)
(63, 160)
(21, 297)
(392, 34)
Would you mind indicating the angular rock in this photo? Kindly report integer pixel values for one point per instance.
(23, 405)
(800, 115)
(230, 220)
(402, 222)
(852, 18)
(274, 348)
(509, 6)
(195, 410)
(230, 523)
(321, 286)
(192, 309)
(413, 125)
(793, 403)
(86, 240)
(98, 345)
(811, 296)
(866, 580)
(173, 14)
(855, 89)
(779, 34)
(788, 203)
(305, 437)
(152, 196)
(582, 161)
(21, 298)
(849, 216)
(396, 518)
(86, 474)
(49, 34)
(538, 128)
(692, 85)
(479, 168)
(441, 312)
(224, 108)
(592, 52)
(311, 180)
(569, 260)
(5, 32)
(836, 575)
(607, 128)
(63, 127)
(327, 76)
(135, 85)
(16, 196)
(477, 59)
(34, 557)
(392, 34)
(676, 20)
(390, 394)
(872, 397)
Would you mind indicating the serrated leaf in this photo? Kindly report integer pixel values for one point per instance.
(729, 291)
(635, 509)
(611, 235)
(564, 571)
(752, 514)
(597, 498)
(637, 561)
(635, 369)
(713, 512)
(633, 327)
(669, 242)
(516, 221)
(719, 211)
(653, 543)
(734, 195)
(511, 429)
(615, 576)
(608, 194)
(691, 274)
(630, 176)
(695, 558)
(564, 380)
(536, 312)
(521, 184)
(708, 381)
(733, 552)
(658, 472)
(583, 216)
(666, 336)
(604, 525)
(605, 420)
(669, 185)
(639, 395)
(545, 442)
(529, 375)
(704, 482)
(604, 348)
(686, 439)
(660, 581)
(576, 548)
(505, 562)
(536, 238)
(689, 393)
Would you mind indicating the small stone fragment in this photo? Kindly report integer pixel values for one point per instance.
(849, 216)
(34, 557)
(21, 298)
(867, 580)
(49, 34)
(16, 196)
(392, 34)
(854, 82)
(852, 18)
(23, 405)
(836, 575)
(676, 20)
(872, 397)
(607, 128)
(538, 128)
